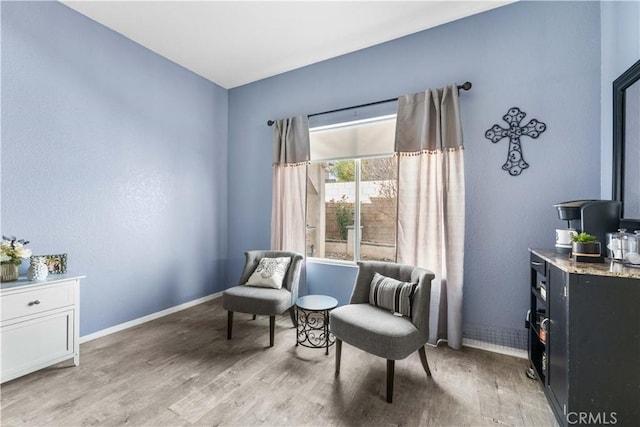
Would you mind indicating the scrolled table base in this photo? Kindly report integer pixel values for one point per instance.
(313, 329)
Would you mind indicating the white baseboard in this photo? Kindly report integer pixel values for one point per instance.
(148, 318)
(481, 345)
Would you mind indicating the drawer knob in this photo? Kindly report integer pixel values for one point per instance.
(36, 302)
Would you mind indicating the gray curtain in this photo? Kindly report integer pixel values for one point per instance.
(431, 209)
(288, 209)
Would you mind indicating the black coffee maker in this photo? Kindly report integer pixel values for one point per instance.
(596, 217)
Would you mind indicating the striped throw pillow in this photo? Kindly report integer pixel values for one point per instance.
(392, 294)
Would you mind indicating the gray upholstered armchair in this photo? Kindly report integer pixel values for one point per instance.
(377, 330)
(264, 301)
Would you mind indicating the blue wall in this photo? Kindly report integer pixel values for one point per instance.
(331, 279)
(116, 156)
(620, 45)
(543, 57)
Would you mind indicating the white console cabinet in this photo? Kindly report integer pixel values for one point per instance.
(39, 324)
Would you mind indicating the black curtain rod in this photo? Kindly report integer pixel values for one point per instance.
(465, 86)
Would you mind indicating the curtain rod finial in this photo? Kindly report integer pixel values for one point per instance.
(270, 122)
(466, 85)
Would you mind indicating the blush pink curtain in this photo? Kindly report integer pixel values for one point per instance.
(288, 209)
(431, 202)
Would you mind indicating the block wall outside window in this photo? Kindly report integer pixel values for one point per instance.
(331, 209)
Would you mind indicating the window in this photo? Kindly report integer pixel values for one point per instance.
(351, 191)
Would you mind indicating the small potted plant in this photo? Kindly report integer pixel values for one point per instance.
(585, 245)
(12, 252)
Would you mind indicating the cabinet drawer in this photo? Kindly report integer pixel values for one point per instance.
(538, 264)
(37, 300)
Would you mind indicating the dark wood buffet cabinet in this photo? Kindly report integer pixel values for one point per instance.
(584, 338)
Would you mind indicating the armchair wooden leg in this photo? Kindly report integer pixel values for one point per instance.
(272, 329)
(292, 314)
(423, 359)
(338, 355)
(390, 373)
(229, 324)
(254, 317)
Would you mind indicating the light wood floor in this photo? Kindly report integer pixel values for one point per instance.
(180, 370)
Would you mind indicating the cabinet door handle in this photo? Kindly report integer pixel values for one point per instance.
(36, 302)
(536, 263)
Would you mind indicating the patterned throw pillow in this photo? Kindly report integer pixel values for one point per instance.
(269, 273)
(392, 294)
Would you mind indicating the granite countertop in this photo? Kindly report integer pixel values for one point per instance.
(23, 282)
(609, 268)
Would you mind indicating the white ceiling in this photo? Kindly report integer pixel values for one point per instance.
(233, 43)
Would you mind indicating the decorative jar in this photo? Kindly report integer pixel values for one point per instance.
(38, 270)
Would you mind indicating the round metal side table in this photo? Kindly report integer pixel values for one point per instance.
(312, 319)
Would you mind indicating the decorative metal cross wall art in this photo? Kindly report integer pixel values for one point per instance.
(515, 163)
